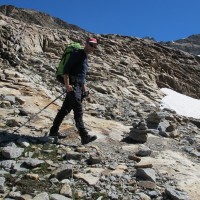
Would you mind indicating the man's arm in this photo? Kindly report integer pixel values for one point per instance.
(84, 87)
(68, 87)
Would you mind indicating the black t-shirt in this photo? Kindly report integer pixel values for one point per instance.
(77, 65)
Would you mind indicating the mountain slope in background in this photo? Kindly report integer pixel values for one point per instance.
(190, 44)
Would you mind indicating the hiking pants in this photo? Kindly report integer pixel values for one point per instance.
(73, 101)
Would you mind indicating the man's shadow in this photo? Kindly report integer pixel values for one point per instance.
(6, 137)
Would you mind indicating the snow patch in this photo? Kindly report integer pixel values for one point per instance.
(182, 104)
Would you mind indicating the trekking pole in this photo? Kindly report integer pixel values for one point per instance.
(37, 113)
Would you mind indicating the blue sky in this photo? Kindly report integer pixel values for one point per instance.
(164, 20)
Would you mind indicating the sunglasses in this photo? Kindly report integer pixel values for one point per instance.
(92, 45)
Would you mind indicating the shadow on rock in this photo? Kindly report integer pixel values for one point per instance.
(6, 137)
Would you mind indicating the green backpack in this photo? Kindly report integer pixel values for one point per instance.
(65, 57)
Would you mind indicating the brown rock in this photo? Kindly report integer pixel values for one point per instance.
(147, 184)
(135, 158)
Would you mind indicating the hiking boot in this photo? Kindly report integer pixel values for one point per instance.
(58, 135)
(85, 139)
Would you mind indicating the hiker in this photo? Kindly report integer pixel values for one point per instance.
(74, 79)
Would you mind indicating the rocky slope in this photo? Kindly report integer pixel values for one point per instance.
(142, 152)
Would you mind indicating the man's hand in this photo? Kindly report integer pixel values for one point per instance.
(85, 94)
(69, 88)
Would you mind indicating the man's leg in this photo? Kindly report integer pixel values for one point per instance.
(65, 109)
(78, 116)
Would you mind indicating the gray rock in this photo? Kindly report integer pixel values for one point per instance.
(153, 193)
(15, 195)
(138, 136)
(73, 155)
(2, 181)
(12, 122)
(64, 172)
(66, 190)
(18, 168)
(195, 153)
(143, 196)
(5, 104)
(12, 152)
(54, 180)
(3, 172)
(154, 118)
(2, 77)
(33, 162)
(162, 126)
(143, 151)
(7, 163)
(94, 159)
(147, 184)
(42, 196)
(174, 133)
(146, 174)
(10, 98)
(23, 142)
(58, 197)
(176, 195)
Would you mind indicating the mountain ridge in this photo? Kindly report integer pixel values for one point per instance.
(189, 44)
(36, 17)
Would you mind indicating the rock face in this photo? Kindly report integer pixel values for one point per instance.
(190, 44)
(36, 18)
(125, 77)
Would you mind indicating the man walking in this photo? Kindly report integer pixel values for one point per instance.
(74, 79)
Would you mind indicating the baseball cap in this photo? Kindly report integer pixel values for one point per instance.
(92, 40)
